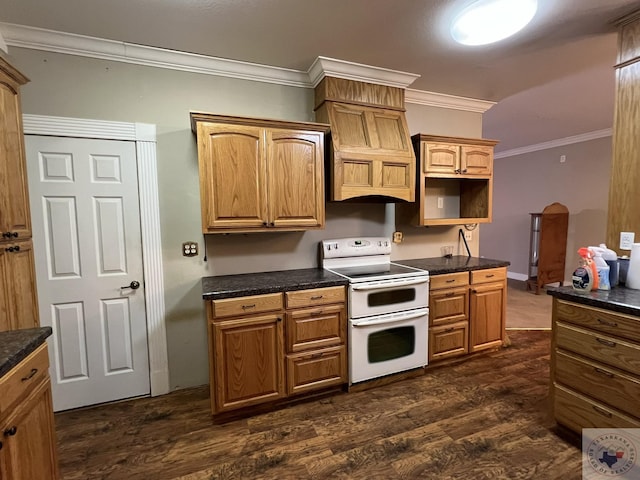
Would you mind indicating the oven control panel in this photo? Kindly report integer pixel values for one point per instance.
(356, 247)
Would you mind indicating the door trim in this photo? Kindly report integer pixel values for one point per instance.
(144, 135)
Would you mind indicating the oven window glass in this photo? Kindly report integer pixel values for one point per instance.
(390, 344)
(391, 297)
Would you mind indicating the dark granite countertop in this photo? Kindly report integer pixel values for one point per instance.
(618, 299)
(457, 263)
(16, 345)
(229, 286)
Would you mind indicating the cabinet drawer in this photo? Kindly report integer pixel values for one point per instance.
(604, 321)
(577, 412)
(229, 307)
(488, 275)
(318, 327)
(449, 280)
(447, 306)
(448, 341)
(603, 348)
(316, 369)
(606, 384)
(21, 379)
(315, 296)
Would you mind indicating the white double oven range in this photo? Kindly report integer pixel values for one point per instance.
(388, 307)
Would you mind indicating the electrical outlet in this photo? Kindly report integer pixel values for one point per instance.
(468, 235)
(626, 240)
(440, 202)
(397, 237)
(190, 249)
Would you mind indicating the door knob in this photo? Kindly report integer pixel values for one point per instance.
(134, 285)
(10, 432)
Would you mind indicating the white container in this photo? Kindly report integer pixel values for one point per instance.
(633, 273)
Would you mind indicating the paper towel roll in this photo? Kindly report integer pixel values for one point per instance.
(633, 274)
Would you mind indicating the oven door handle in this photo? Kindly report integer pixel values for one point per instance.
(381, 321)
(377, 286)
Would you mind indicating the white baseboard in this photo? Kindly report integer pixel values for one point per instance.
(517, 276)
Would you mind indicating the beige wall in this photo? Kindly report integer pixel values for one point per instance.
(64, 85)
(527, 183)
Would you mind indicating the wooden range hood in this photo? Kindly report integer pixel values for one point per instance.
(370, 154)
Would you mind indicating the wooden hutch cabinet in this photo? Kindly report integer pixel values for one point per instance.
(18, 300)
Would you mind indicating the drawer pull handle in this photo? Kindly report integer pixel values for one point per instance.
(603, 372)
(317, 313)
(31, 374)
(450, 329)
(10, 432)
(489, 276)
(602, 412)
(608, 343)
(245, 307)
(450, 281)
(316, 355)
(317, 297)
(608, 324)
(450, 294)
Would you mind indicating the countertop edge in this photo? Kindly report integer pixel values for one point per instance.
(601, 298)
(16, 345)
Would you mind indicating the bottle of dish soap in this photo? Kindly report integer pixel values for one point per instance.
(584, 276)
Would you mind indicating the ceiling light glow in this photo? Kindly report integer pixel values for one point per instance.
(488, 21)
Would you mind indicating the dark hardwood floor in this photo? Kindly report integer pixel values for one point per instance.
(486, 418)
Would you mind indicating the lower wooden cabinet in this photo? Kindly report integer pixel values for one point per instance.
(595, 367)
(487, 308)
(467, 312)
(27, 444)
(264, 348)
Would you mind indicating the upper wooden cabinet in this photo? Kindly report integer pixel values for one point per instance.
(18, 300)
(259, 175)
(15, 221)
(444, 159)
(454, 184)
(371, 152)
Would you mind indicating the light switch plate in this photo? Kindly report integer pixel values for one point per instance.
(626, 240)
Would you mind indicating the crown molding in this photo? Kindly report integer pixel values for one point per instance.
(332, 67)
(92, 47)
(442, 100)
(560, 142)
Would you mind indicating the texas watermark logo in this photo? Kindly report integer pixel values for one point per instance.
(610, 453)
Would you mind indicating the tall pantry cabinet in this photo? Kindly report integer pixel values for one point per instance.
(18, 300)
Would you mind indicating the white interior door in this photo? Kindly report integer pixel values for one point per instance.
(87, 245)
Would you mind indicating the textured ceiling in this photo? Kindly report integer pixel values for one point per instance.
(553, 80)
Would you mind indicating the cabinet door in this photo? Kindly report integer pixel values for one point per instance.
(487, 315)
(316, 327)
(28, 439)
(18, 299)
(443, 158)
(476, 160)
(295, 165)
(14, 200)
(232, 176)
(248, 361)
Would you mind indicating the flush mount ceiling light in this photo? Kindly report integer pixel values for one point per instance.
(488, 21)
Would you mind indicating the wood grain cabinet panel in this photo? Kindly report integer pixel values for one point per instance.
(28, 443)
(449, 340)
(248, 361)
(259, 175)
(487, 308)
(15, 221)
(18, 298)
(450, 305)
(313, 370)
(316, 327)
(595, 367)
